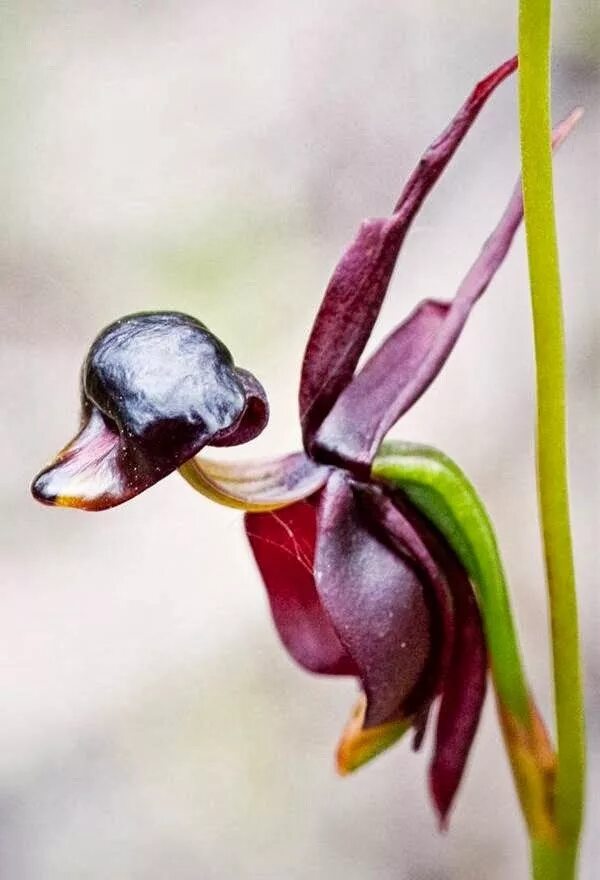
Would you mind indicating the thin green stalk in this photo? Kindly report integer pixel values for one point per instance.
(534, 96)
(553, 863)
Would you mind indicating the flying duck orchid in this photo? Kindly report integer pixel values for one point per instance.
(362, 579)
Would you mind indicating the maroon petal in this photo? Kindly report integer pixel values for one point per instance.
(356, 290)
(396, 529)
(464, 683)
(254, 417)
(413, 355)
(375, 599)
(464, 691)
(283, 544)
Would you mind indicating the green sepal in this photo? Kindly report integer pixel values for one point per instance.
(439, 489)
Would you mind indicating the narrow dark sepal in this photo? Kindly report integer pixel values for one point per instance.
(359, 283)
(463, 691)
(409, 360)
(464, 683)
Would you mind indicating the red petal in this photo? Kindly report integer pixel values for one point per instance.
(283, 544)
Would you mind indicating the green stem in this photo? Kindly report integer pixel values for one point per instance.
(550, 863)
(534, 95)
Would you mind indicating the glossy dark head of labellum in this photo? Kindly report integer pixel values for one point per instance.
(156, 387)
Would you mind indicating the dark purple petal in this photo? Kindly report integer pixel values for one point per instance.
(156, 388)
(356, 290)
(395, 529)
(283, 544)
(464, 683)
(254, 416)
(413, 355)
(463, 690)
(256, 485)
(375, 599)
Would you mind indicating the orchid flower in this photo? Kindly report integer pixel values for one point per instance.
(362, 581)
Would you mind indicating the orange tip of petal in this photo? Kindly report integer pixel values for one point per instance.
(534, 763)
(358, 745)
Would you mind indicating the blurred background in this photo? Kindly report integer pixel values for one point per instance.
(215, 157)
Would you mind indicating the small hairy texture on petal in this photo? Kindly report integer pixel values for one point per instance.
(413, 355)
(359, 283)
(283, 544)
(375, 599)
(156, 388)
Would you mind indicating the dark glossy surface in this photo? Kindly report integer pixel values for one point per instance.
(156, 388)
(165, 381)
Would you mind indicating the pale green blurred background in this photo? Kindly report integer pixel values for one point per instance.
(215, 157)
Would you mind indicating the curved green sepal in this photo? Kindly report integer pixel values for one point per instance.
(439, 489)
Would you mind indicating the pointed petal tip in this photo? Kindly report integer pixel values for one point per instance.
(442, 796)
(48, 488)
(41, 489)
(88, 473)
(358, 745)
(53, 489)
(564, 128)
(493, 79)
